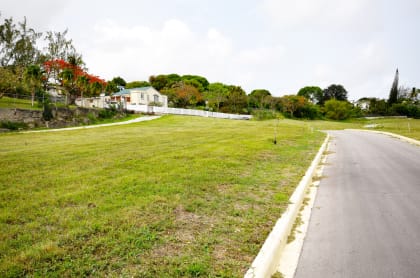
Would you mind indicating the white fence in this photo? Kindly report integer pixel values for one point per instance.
(181, 111)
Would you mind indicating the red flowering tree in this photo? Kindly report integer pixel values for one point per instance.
(73, 78)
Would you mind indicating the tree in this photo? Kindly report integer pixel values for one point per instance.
(137, 84)
(18, 44)
(119, 81)
(236, 100)
(415, 95)
(111, 87)
(216, 94)
(336, 92)
(312, 93)
(69, 76)
(96, 87)
(9, 81)
(259, 98)
(58, 46)
(291, 103)
(337, 109)
(82, 83)
(33, 77)
(186, 95)
(393, 94)
(197, 81)
(163, 81)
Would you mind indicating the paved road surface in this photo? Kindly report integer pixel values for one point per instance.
(366, 217)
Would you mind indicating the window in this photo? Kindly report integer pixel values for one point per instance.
(156, 98)
(142, 95)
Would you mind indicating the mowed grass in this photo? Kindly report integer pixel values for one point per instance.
(7, 102)
(174, 197)
(406, 127)
(402, 126)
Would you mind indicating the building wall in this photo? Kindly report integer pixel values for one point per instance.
(144, 97)
(93, 102)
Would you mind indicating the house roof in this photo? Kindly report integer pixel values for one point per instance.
(128, 91)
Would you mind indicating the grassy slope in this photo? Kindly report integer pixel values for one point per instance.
(405, 127)
(179, 196)
(6, 102)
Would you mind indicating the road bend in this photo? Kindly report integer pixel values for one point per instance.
(366, 218)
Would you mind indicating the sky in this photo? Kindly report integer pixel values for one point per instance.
(276, 45)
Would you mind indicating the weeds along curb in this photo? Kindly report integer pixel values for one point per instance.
(403, 138)
(267, 260)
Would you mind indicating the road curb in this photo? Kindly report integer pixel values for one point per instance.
(266, 262)
(403, 138)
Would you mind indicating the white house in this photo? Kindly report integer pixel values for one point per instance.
(94, 102)
(140, 96)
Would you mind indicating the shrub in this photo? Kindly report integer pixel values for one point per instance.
(154, 103)
(308, 111)
(92, 117)
(264, 114)
(107, 113)
(337, 109)
(47, 112)
(13, 125)
(406, 109)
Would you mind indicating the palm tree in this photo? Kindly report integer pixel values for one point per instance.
(33, 75)
(67, 77)
(96, 88)
(83, 85)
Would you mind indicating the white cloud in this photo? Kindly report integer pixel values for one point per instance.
(321, 15)
(39, 14)
(139, 51)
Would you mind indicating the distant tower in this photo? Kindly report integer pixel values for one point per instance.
(393, 94)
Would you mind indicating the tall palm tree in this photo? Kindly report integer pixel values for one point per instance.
(83, 85)
(32, 76)
(67, 78)
(96, 88)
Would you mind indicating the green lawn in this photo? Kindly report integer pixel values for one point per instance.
(405, 127)
(174, 197)
(7, 102)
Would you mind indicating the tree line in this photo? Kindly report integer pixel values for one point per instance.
(402, 101)
(27, 70)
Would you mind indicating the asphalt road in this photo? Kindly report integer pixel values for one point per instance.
(366, 217)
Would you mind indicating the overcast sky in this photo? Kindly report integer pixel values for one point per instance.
(277, 45)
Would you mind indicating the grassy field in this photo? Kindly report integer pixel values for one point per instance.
(174, 197)
(7, 102)
(403, 126)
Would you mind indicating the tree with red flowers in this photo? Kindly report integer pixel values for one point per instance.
(73, 78)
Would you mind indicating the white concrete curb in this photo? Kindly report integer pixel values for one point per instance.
(266, 262)
(403, 138)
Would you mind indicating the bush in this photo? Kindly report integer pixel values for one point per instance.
(406, 109)
(13, 125)
(264, 114)
(92, 117)
(107, 113)
(47, 112)
(308, 111)
(337, 109)
(154, 103)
